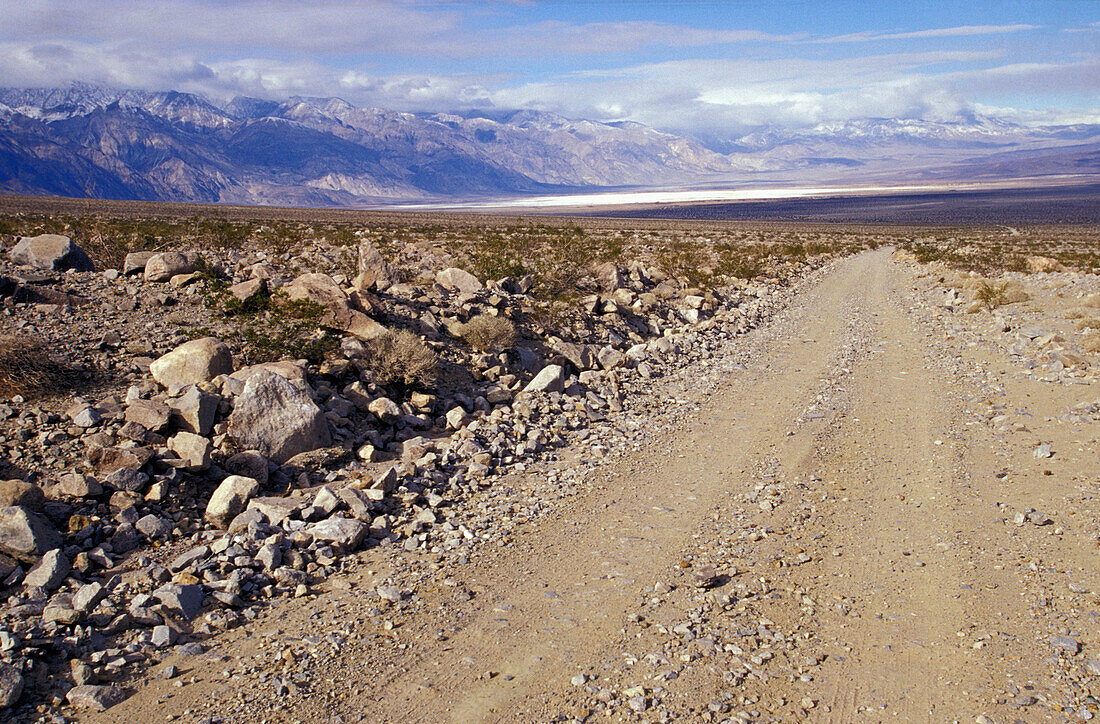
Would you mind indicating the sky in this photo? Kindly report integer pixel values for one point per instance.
(700, 67)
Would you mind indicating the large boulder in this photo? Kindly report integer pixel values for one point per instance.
(192, 362)
(374, 271)
(26, 535)
(162, 267)
(51, 252)
(277, 418)
(339, 314)
(230, 499)
(458, 280)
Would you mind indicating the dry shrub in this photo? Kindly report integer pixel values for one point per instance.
(26, 367)
(401, 357)
(487, 333)
(1089, 323)
(991, 295)
(1091, 342)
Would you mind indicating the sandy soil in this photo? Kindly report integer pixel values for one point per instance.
(828, 535)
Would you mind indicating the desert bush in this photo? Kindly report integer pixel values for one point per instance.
(487, 333)
(401, 357)
(992, 295)
(1091, 342)
(26, 366)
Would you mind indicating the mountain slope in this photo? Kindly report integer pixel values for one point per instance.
(168, 146)
(90, 141)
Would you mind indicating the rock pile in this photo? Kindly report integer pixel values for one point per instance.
(170, 500)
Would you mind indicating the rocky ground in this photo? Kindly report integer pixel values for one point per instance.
(845, 492)
(162, 490)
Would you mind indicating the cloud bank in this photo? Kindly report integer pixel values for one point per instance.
(438, 56)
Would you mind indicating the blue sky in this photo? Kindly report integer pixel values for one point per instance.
(703, 66)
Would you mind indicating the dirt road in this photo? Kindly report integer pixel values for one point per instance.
(829, 536)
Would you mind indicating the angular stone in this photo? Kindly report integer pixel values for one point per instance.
(49, 572)
(51, 252)
(347, 533)
(275, 509)
(385, 409)
(277, 418)
(610, 358)
(193, 449)
(230, 499)
(458, 280)
(26, 535)
(127, 480)
(18, 492)
(550, 379)
(164, 266)
(11, 685)
(248, 290)
(374, 271)
(135, 262)
(249, 463)
(154, 527)
(88, 597)
(457, 418)
(183, 598)
(96, 698)
(192, 362)
(75, 485)
(185, 560)
(195, 410)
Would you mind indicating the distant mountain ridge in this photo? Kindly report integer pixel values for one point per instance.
(88, 141)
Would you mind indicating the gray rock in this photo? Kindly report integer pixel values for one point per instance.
(127, 479)
(374, 271)
(183, 598)
(51, 252)
(385, 409)
(248, 290)
(75, 485)
(250, 464)
(163, 636)
(1065, 643)
(49, 572)
(242, 522)
(611, 358)
(195, 410)
(154, 527)
(87, 417)
(389, 593)
(192, 362)
(18, 492)
(276, 510)
(11, 685)
(550, 379)
(96, 698)
(230, 499)
(344, 532)
(88, 596)
(457, 418)
(270, 556)
(458, 280)
(26, 535)
(135, 262)
(150, 414)
(193, 449)
(277, 418)
(164, 266)
(185, 560)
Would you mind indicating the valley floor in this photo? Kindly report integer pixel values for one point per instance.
(820, 524)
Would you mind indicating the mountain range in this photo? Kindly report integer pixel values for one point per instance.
(88, 141)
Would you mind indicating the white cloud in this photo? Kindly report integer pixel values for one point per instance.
(959, 31)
